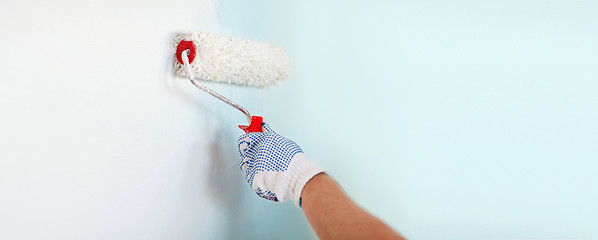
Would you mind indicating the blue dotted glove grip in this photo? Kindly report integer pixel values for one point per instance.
(282, 174)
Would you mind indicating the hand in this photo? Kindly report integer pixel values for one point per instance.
(275, 167)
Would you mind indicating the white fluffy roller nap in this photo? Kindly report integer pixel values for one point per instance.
(234, 60)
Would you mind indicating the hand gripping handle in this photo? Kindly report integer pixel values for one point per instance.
(254, 126)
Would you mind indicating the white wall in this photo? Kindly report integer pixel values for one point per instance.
(99, 140)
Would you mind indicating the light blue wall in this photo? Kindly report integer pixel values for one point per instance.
(448, 119)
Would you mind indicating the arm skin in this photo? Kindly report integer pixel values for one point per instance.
(333, 215)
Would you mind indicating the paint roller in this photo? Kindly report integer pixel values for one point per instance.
(225, 59)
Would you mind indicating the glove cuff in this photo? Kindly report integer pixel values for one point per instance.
(303, 170)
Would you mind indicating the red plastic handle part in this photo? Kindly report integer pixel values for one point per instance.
(184, 45)
(254, 126)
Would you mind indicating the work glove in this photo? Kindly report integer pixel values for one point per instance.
(274, 166)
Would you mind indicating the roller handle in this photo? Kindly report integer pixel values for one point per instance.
(254, 126)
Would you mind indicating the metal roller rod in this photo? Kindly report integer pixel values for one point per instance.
(209, 91)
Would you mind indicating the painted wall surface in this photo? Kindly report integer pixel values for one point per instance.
(448, 119)
(98, 139)
(460, 120)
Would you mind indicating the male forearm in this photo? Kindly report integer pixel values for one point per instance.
(333, 215)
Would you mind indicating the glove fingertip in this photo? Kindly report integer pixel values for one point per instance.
(242, 138)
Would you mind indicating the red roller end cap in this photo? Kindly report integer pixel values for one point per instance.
(184, 45)
(255, 126)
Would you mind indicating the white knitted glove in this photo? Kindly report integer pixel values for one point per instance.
(275, 167)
